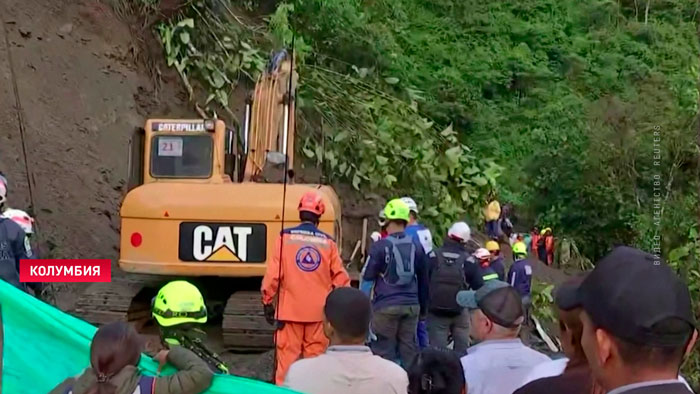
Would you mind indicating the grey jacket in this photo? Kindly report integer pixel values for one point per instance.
(12, 249)
(193, 376)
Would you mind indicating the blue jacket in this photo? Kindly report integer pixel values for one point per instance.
(13, 248)
(499, 268)
(385, 294)
(422, 234)
(520, 276)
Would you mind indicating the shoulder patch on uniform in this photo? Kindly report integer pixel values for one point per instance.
(27, 247)
(528, 269)
(308, 259)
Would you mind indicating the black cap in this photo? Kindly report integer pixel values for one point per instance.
(565, 295)
(629, 293)
(500, 302)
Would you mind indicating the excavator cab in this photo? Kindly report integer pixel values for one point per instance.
(183, 150)
(201, 203)
(186, 216)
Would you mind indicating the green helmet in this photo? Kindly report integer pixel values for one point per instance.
(179, 302)
(397, 210)
(519, 248)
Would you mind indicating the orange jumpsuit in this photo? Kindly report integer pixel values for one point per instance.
(549, 245)
(310, 267)
(535, 244)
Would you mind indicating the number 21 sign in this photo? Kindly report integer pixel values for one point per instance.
(170, 146)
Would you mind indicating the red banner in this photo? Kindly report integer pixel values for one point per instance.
(65, 270)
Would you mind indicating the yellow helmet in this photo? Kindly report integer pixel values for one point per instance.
(492, 246)
(519, 248)
(396, 209)
(179, 302)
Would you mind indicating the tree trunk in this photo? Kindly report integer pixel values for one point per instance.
(646, 12)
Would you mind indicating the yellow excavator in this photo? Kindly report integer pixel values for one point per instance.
(206, 204)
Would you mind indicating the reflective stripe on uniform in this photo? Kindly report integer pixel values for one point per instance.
(490, 276)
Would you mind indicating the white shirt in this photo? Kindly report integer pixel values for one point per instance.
(499, 366)
(546, 370)
(347, 370)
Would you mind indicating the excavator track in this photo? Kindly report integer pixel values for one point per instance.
(244, 326)
(120, 300)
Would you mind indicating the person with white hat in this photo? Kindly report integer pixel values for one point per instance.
(451, 271)
(416, 229)
(14, 245)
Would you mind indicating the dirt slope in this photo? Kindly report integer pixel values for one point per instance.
(81, 96)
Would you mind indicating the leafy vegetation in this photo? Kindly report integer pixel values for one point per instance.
(213, 53)
(542, 301)
(565, 95)
(379, 141)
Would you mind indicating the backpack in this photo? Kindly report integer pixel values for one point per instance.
(400, 261)
(147, 385)
(447, 280)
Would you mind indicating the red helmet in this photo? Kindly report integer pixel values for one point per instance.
(312, 202)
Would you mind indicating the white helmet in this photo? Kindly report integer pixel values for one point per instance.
(482, 253)
(460, 231)
(412, 206)
(382, 218)
(22, 218)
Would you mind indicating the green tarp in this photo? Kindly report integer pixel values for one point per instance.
(42, 346)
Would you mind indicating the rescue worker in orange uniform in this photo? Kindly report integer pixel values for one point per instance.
(301, 277)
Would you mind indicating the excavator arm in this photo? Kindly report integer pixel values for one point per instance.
(269, 133)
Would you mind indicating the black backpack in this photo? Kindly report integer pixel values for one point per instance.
(447, 280)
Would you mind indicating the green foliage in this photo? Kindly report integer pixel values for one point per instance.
(543, 301)
(377, 141)
(214, 52)
(566, 95)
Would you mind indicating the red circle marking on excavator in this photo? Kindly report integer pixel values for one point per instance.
(136, 239)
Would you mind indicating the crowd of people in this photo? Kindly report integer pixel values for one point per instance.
(425, 320)
(615, 340)
(498, 225)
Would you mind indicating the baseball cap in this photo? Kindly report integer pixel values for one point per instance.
(629, 293)
(565, 296)
(497, 300)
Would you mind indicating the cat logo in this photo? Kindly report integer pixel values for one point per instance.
(222, 242)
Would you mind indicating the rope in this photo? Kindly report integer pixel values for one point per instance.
(20, 123)
(284, 203)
